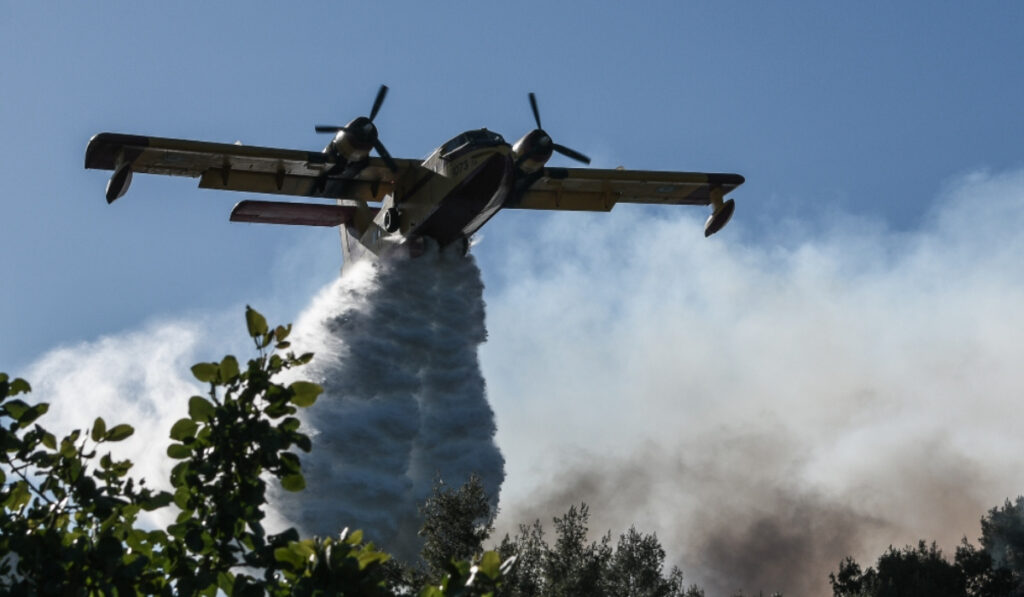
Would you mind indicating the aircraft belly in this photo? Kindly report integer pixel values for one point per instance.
(470, 204)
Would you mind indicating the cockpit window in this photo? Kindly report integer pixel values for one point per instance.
(454, 144)
(484, 136)
(469, 140)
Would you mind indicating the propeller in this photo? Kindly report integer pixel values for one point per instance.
(363, 131)
(544, 141)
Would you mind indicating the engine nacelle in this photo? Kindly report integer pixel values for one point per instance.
(119, 182)
(532, 151)
(354, 142)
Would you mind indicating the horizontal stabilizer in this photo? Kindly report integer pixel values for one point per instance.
(298, 214)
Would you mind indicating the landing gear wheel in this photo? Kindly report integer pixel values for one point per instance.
(465, 246)
(391, 223)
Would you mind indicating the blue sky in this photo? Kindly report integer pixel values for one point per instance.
(866, 108)
(863, 303)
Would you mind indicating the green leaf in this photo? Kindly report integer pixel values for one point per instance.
(228, 368)
(157, 501)
(49, 441)
(304, 393)
(183, 428)
(225, 582)
(285, 536)
(290, 462)
(176, 530)
(33, 413)
(12, 388)
(181, 497)
(99, 429)
(15, 408)
(490, 565)
(293, 482)
(287, 556)
(18, 497)
(75, 469)
(205, 371)
(179, 472)
(302, 549)
(200, 409)
(278, 409)
(369, 557)
(178, 451)
(119, 432)
(19, 386)
(256, 323)
(67, 447)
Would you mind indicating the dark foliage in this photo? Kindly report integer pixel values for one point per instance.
(923, 571)
(456, 522)
(573, 566)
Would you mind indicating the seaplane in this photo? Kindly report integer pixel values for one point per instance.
(382, 204)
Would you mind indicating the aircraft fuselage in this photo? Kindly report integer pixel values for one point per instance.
(468, 180)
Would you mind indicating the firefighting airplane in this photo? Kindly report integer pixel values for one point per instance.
(446, 197)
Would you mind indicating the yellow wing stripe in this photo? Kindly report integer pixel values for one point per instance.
(599, 190)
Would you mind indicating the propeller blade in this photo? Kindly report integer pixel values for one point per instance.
(536, 112)
(322, 128)
(385, 156)
(571, 153)
(377, 102)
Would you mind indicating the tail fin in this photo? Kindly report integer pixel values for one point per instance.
(350, 247)
(352, 230)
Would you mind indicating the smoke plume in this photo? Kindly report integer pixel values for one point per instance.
(139, 377)
(767, 407)
(404, 405)
(766, 403)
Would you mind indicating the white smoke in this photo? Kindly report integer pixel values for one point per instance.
(140, 377)
(404, 403)
(766, 408)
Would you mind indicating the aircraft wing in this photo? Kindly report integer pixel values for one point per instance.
(296, 214)
(586, 189)
(242, 167)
